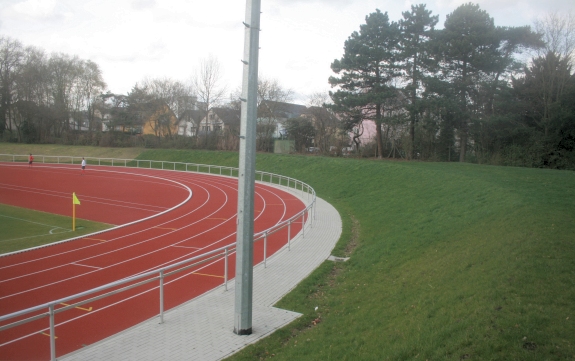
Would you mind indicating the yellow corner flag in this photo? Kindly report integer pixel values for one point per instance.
(75, 199)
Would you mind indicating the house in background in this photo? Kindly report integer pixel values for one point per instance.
(220, 119)
(162, 123)
(189, 122)
(274, 114)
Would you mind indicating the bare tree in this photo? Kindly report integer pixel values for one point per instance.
(274, 95)
(326, 124)
(11, 55)
(207, 84)
(551, 68)
(558, 30)
(271, 89)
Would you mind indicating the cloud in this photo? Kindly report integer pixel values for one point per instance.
(39, 9)
(143, 4)
(332, 3)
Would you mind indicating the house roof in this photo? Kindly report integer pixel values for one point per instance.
(193, 115)
(281, 109)
(227, 115)
(320, 112)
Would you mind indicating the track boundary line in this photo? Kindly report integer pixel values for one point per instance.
(113, 228)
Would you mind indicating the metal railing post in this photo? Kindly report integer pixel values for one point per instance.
(265, 249)
(161, 296)
(52, 333)
(226, 269)
(310, 211)
(303, 225)
(289, 235)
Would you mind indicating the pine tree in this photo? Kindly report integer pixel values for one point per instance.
(366, 71)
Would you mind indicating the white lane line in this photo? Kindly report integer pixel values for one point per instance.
(25, 220)
(85, 265)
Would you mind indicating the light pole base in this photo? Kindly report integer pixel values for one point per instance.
(243, 332)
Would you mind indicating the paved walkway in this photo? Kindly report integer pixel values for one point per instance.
(202, 329)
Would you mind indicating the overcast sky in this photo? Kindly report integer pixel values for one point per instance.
(134, 39)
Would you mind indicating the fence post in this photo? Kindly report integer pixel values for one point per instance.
(161, 296)
(289, 235)
(226, 269)
(52, 333)
(265, 249)
(303, 225)
(309, 213)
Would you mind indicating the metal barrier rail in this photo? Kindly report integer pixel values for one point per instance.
(158, 275)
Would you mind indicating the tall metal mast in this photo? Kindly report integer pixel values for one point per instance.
(247, 168)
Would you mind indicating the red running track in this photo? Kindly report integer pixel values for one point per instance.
(175, 227)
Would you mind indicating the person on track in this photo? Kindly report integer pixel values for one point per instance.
(30, 160)
(83, 165)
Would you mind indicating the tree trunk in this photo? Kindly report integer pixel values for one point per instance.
(378, 134)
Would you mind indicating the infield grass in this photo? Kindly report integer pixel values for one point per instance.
(22, 228)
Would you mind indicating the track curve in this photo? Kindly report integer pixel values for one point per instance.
(162, 225)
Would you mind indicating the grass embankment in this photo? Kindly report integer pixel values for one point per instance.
(22, 228)
(451, 262)
(56, 149)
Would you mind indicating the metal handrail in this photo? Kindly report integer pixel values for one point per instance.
(151, 276)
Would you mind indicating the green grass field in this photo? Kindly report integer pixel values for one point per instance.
(448, 261)
(22, 228)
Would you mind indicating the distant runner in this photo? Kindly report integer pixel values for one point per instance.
(30, 160)
(83, 165)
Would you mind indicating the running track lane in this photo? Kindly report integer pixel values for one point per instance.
(204, 222)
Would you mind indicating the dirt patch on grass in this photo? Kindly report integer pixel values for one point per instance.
(354, 240)
(309, 321)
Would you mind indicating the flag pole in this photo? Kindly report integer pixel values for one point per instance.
(73, 216)
(75, 201)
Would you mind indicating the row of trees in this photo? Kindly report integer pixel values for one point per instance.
(57, 97)
(461, 89)
(40, 93)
